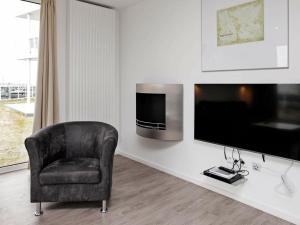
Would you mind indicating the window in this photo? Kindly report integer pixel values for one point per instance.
(19, 22)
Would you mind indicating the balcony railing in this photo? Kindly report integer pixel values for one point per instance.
(15, 91)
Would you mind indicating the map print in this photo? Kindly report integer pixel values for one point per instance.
(241, 24)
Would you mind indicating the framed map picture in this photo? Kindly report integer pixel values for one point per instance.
(244, 34)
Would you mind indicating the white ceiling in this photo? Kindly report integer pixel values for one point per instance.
(116, 3)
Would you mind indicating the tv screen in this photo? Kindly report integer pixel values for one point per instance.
(264, 118)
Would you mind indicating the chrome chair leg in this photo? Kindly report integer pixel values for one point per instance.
(38, 209)
(104, 206)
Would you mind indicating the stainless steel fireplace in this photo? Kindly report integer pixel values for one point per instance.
(159, 111)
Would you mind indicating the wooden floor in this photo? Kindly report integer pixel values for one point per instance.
(140, 196)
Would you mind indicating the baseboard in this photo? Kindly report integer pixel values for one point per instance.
(259, 205)
(13, 168)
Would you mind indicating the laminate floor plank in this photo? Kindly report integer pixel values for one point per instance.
(140, 196)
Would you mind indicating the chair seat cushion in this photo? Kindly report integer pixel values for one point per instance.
(72, 171)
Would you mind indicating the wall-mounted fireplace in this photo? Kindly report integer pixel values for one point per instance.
(159, 111)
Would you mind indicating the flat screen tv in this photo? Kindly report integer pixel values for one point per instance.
(264, 118)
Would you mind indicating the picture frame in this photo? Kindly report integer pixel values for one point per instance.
(245, 35)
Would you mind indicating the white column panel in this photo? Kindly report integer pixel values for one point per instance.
(93, 82)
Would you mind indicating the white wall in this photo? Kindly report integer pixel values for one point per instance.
(161, 43)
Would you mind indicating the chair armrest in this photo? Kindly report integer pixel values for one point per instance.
(106, 149)
(33, 147)
(45, 146)
(35, 153)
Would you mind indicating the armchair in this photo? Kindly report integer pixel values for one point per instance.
(71, 162)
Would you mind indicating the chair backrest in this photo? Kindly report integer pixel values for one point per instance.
(81, 138)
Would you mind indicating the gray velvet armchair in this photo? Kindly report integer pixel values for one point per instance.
(72, 162)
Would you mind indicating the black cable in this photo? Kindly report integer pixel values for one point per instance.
(238, 163)
(263, 157)
(225, 155)
(232, 153)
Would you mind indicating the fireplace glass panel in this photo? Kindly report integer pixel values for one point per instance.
(151, 111)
